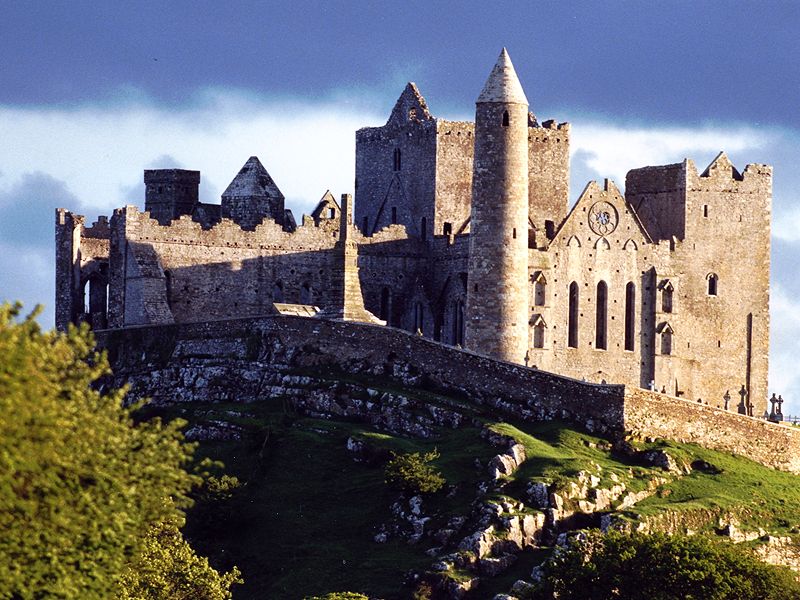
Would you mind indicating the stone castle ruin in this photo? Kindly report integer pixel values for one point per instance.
(462, 232)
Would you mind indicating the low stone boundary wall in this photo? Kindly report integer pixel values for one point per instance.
(657, 415)
(244, 359)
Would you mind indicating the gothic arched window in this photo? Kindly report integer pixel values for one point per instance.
(630, 315)
(574, 297)
(601, 316)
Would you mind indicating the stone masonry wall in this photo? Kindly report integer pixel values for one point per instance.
(658, 415)
(245, 359)
(233, 358)
(548, 176)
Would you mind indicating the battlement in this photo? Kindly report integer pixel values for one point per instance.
(100, 229)
(184, 230)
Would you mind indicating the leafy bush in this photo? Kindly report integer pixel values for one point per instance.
(90, 503)
(661, 567)
(413, 473)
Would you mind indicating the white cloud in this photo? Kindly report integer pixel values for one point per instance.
(612, 149)
(100, 151)
(786, 223)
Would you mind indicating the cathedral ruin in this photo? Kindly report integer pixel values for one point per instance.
(462, 232)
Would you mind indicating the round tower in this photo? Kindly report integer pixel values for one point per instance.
(497, 305)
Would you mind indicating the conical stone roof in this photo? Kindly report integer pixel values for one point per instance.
(503, 84)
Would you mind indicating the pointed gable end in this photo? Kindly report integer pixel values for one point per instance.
(252, 181)
(602, 212)
(721, 166)
(327, 208)
(410, 107)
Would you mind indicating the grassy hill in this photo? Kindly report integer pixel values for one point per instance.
(304, 518)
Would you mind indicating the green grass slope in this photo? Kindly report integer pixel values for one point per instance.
(304, 518)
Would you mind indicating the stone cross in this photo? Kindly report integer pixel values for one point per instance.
(779, 412)
(773, 401)
(744, 407)
(727, 399)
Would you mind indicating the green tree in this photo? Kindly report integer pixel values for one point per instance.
(86, 495)
(413, 472)
(661, 567)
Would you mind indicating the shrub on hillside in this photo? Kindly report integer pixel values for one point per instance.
(413, 472)
(661, 567)
(90, 502)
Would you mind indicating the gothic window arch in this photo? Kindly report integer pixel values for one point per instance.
(630, 315)
(601, 317)
(419, 318)
(666, 333)
(667, 290)
(572, 324)
(539, 330)
(602, 244)
(539, 289)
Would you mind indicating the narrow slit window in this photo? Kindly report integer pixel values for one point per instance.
(505, 118)
(713, 282)
(386, 299)
(447, 229)
(418, 318)
(423, 228)
(394, 215)
(538, 335)
(666, 342)
(396, 159)
(539, 290)
(666, 299)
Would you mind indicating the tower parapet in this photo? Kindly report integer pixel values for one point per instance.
(170, 193)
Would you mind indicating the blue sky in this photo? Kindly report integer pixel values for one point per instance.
(91, 93)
